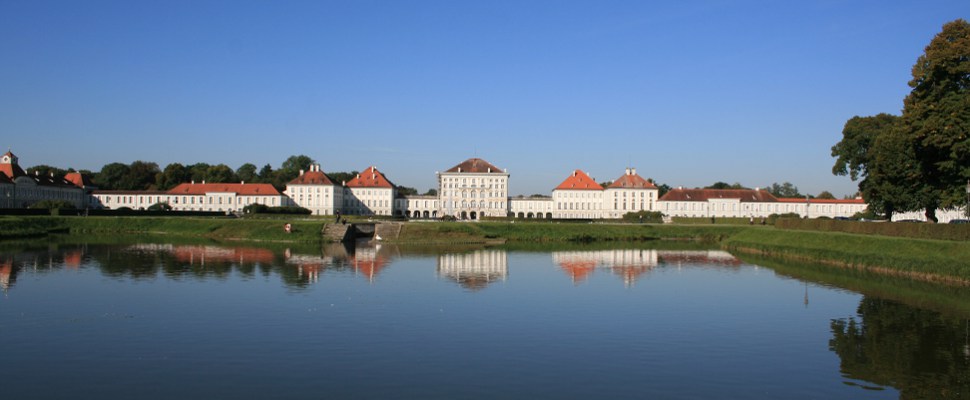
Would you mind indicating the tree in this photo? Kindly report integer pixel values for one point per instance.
(111, 176)
(431, 192)
(247, 173)
(825, 195)
(220, 174)
(341, 177)
(141, 176)
(290, 170)
(935, 117)
(46, 170)
(873, 151)
(266, 174)
(406, 191)
(724, 185)
(173, 175)
(198, 171)
(784, 190)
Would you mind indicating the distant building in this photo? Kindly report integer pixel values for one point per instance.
(369, 193)
(578, 197)
(747, 203)
(216, 197)
(28, 189)
(629, 193)
(473, 189)
(314, 191)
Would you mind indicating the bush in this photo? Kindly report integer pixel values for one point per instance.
(263, 209)
(773, 218)
(449, 218)
(653, 217)
(160, 207)
(52, 205)
(896, 229)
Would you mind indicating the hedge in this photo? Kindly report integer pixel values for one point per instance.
(958, 232)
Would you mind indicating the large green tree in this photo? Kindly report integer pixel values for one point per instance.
(173, 175)
(936, 117)
(220, 174)
(873, 151)
(784, 190)
(247, 172)
(111, 175)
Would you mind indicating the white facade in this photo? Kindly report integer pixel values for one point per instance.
(532, 207)
(417, 207)
(369, 193)
(314, 191)
(472, 190)
(215, 197)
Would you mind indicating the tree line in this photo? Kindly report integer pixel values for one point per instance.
(145, 175)
(921, 158)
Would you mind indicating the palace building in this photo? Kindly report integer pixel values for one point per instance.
(471, 190)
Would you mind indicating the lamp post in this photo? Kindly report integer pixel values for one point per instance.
(966, 209)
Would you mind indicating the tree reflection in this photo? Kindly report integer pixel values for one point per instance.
(923, 354)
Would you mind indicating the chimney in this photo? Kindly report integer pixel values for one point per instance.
(633, 171)
(203, 181)
(193, 181)
(490, 170)
(242, 182)
(301, 172)
(628, 171)
(459, 170)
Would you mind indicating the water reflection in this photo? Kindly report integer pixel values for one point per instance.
(633, 264)
(476, 270)
(923, 353)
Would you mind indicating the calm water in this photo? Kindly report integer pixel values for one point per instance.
(160, 320)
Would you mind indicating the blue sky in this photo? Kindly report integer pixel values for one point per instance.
(689, 92)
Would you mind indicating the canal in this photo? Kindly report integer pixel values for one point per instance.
(99, 318)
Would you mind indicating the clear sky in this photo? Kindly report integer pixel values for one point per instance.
(688, 92)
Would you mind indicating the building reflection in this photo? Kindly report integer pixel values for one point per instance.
(699, 257)
(632, 264)
(369, 258)
(201, 255)
(476, 270)
(8, 274)
(628, 264)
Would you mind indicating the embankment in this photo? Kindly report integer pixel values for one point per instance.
(926, 260)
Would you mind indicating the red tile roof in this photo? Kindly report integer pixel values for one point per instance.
(242, 189)
(745, 195)
(578, 180)
(578, 270)
(821, 201)
(630, 180)
(371, 178)
(477, 166)
(79, 180)
(12, 171)
(312, 177)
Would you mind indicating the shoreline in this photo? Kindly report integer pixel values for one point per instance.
(943, 262)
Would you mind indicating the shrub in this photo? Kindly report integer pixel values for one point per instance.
(655, 217)
(908, 230)
(52, 205)
(263, 209)
(160, 207)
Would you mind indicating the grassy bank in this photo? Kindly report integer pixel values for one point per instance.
(559, 232)
(928, 260)
(950, 300)
(214, 228)
(24, 227)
